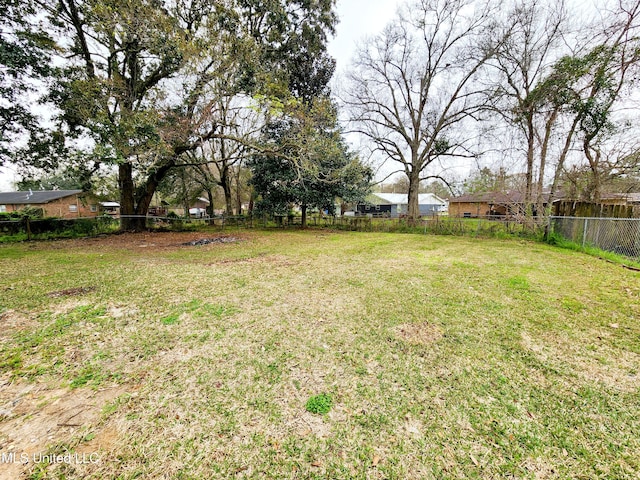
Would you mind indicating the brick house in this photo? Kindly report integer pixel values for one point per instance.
(53, 203)
(488, 204)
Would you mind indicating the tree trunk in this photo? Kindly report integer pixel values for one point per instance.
(210, 207)
(185, 195)
(540, 210)
(594, 165)
(128, 219)
(413, 208)
(225, 183)
(562, 158)
(134, 204)
(304, 216)
(227, 197)
(145, 193)
(238, 192)
(528, 196)
(251, 202)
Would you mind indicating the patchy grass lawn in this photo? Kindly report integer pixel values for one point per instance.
(423, 357)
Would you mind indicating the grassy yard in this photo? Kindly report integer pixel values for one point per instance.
(316, 355)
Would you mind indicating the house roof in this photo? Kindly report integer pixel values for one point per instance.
(34, 197)
(632, 197)
(403, 199)
(494, 198)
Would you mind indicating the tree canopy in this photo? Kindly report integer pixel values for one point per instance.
(140, 78)
(25, 62)
(145, 87)
(312, 164)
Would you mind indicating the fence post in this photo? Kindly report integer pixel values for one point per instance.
(547, 231)
(584, 232)
(28, 227)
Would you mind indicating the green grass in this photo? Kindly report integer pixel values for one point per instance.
(560, 242)
(319, 404)
(441, 357)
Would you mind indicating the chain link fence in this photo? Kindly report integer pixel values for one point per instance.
(50, 228)
(618, 235)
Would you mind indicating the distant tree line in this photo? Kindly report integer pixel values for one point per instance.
(183, 90)
(527, 83)
(231, 100)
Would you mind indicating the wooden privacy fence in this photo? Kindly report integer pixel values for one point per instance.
(567, 208)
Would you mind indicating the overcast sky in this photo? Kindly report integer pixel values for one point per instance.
(358, 19)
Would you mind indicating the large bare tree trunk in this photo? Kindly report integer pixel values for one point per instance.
(594, 166)
(563, 156)
(228, 199)
(413, 208)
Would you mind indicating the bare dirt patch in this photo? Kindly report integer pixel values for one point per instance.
(418, 333)
(71, 292)
(34, 417)
(153, 240)
(209, 241)
(69, 304)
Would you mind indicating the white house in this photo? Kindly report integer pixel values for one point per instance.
(396, 204)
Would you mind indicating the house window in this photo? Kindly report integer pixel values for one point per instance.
(73, 208)
(3, 208)
(94, 208)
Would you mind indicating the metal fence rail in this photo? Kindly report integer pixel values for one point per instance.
(50, 228)
(618, 235)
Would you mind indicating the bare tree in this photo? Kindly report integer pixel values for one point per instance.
(617, 172)
(533, 33)
(612, 65)
(219, 162)
(413, 87)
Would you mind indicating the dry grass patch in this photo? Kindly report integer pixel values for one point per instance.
(13, 321)
(615, 368)
(36, 418)
(419, 334)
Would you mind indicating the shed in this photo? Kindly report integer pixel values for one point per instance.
(110, 208)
